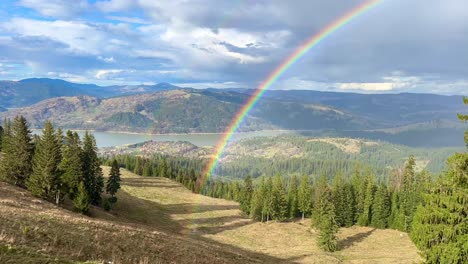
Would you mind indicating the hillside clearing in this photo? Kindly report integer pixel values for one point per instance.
(159, 221)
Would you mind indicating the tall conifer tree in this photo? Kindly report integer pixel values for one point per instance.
(92, 172)
(16, 166)
(305, 197)
(45, 178)
(113, 182)
(327, 225)
(71, 166)
(293, 197)
(381, 207)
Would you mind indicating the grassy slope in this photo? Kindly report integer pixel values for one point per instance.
(158, 221)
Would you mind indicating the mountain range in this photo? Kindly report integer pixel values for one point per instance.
(412, 119)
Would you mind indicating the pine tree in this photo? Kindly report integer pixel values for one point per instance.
(163, 168)
(440, 225)
(321, 187)
(381, 207)
(293, 198)
(256, 207)
(267, 201)
(359, 183)
(71, 166)
(339, 199)
(92, 172)
(113, 183)
(407, 197)
(246, 195)
(304, 197)
(350, 209)
(45, 178)
(16, 166)
(279, 203)
(366, 217)
(327, 225)
(81, 200)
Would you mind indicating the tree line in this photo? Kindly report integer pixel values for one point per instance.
(54, 166)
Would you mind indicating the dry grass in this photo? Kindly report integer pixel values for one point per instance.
(158, 221)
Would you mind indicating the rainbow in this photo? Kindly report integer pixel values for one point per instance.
(274, 76)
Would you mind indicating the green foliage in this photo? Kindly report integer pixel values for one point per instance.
(256, 207)
(107, 205)
(440, 226)
(381, 207)
(246, 195)
(318, 158)
(128, 119)
(305, 197)
(17, 147)
(350, 207)
(339, 199)
(293, 198)
(92, 172)
(327, 224)
(279, 202)
(366, 217)
(45, 178)
(71, 164)
(81, 201)
(113, 182)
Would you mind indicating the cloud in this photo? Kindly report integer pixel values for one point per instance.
(57, 8)
(399, 46)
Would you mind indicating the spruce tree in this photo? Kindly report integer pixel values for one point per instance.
(304, 197)
(92, 172)
(350, 209)
(246, 195)
(256, 207)
(359, 183)
(293, 198)
(321, 187)
(268, 198)
(71, 166)
(381, 207)
(113, 182)
(366, 217)
(407, 197)
(440, 225)
(16, 166)
(81, 200)
(339, 199)
(327, 225)
(45, 178)
(279, 203)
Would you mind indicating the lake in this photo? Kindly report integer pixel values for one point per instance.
(112, 139)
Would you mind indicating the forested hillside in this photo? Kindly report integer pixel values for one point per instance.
(297, 155)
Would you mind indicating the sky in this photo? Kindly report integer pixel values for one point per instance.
(399, 46)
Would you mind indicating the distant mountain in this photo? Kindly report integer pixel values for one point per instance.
(393, 110)
(410, 119)
(30, 91)
(183, 111)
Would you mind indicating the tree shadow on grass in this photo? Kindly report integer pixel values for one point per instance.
(148, 182)
(187, 208)
(154, 216)
(350, 241)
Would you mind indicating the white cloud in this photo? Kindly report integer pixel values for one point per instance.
(107, 73)
(56, 8)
